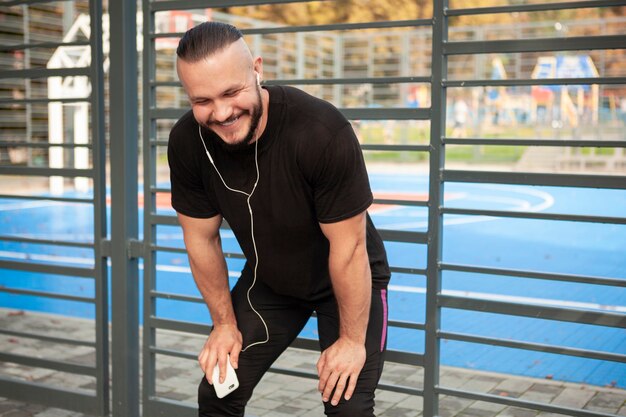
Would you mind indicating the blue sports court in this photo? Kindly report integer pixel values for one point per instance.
(562, 247)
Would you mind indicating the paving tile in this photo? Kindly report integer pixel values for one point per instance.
(454, 404)
(475, 412)
(401, 412)
(487, 407)
(414, 402)
(606, 400)
(574, 397)
(517, 412)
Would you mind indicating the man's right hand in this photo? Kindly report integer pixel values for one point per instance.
(224, 340)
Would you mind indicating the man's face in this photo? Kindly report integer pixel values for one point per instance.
(224, 94)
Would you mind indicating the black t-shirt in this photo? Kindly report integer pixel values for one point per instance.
(311, 170)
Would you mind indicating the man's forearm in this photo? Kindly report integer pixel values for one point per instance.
(351, 278)
(211, 276)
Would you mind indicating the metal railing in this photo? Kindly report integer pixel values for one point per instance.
(89, 400)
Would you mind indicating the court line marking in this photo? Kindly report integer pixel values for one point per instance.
(514, 298)
(522, 205)
(395, 288)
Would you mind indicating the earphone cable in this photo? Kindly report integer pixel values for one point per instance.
(256, 254)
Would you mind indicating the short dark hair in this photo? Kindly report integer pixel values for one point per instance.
(205, 39)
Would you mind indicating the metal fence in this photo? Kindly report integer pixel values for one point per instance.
(337, 81)
(28, 35)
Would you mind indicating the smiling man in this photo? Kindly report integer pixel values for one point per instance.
(286, 171)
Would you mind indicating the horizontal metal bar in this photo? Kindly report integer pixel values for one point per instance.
(322, 81)
(533, 405)
(166, 113)
(164, 220)
(403, 236)
(44, 145)
(520, 8)
(227, 255)
(403, 270)
(51, 339)
(388, 113)
(48, 45)
(346, 81)
(402, 389)
(532, 81)
(339, 26)
(574, 43)
(44, 100)
(154, 190)
(165, 5)
(317, 28)
(349, 113)
(47, 198)
(615, 282)
(395, 202)
(535, 215)
(80, 400)
(173, 353)
(539, 347)
(537, 142)
(396, 148)
(48, 364)
(8, 238)
(47, 269)
(9, 3)
(46, 172)
(177, 297)
(404, 357)
(532, 178)
(178, 325)
(406, 325)
(48, 294)
(572, 315)
(160, 248)
(45, 73)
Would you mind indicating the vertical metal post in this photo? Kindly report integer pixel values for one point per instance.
(124, 217)
(28, 82)
(99, 203)
(435, 202)
(149, 181)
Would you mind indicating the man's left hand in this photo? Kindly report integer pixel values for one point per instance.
(339, 367)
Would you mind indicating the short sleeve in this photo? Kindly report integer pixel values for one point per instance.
(341, 187)
(189, 197)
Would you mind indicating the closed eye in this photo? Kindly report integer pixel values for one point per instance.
(231, 93)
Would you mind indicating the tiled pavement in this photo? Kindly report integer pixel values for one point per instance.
(281, 395)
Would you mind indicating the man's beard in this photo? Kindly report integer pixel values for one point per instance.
(255, 118)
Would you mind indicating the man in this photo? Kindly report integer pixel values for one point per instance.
(286, 171)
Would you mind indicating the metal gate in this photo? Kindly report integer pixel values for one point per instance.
(34, 85)
(313, 57)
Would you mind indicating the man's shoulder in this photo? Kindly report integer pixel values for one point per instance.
(185, 123)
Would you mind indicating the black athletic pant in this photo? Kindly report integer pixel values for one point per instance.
(285, 318)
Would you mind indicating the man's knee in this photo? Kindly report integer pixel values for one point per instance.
(233, 405)
(360, 405)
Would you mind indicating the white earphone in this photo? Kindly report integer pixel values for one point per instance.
(258, 80)
(249, 195)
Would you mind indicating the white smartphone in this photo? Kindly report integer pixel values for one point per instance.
(230, 383)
